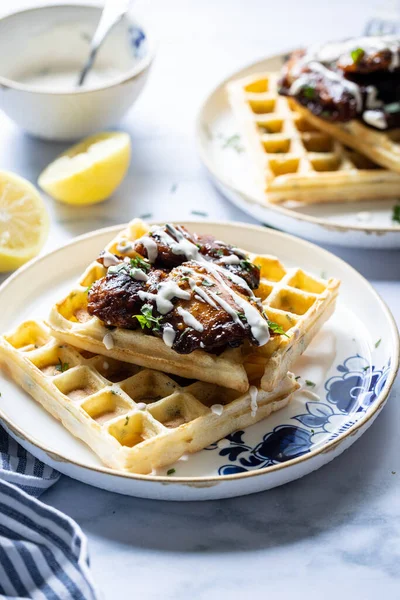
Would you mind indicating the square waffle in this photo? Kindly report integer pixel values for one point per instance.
(296, 155)
(135, 419)
(297, 301)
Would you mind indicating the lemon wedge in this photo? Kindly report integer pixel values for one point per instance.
(24, 222)
(90, 171)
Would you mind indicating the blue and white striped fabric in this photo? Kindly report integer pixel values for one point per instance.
(43, 553)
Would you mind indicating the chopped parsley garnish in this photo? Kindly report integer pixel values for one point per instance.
(366, 368)
(242, 316)
(62, 367)
(396, 214)
(357, 55)
(234, 142)
(185, 278)
(309, 92)
(173, 189)
(378, 343)
(220, 252)
(89, 287)
(312, 431)
(146, 319)
(207, 283)
(310, 383)
(246, 264)
(200, 213)
(393, 107)
(298, 377)
(325, 114)
(276, 328)
(126, 421)
(140, 263)
(171, 471)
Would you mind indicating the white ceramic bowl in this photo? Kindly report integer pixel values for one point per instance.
(55, 38)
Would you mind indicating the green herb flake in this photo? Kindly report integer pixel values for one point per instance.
(207, 283)
(89, 287)
(393, 472)
(309, 92)
(366, 368)
(200, 213)
(242, 316)
(185, 278)
(62, 367)
(139, 263)
(393, 107)
(378, 343)
(298, 377)
(173, 189)
(357, 55)
(146, 319)
(234, 142)
(126, 421)
(275, 328)
(220, 252)
(312, 431)
(171, 471)
(310, 383)
(396, 214)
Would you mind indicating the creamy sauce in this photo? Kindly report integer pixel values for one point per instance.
(109, 260)
(372, 100)
(166, 291)
(190, 320)
(169, 335)
(141, 405)
(217, 409)
(66, 80)
(108, 341)
(375, 118)
(232, 259)
(224, 443)
(253, 391)
(151, 247)
(138, 274)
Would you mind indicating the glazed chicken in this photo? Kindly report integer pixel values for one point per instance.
(190, 304)
(340, 82)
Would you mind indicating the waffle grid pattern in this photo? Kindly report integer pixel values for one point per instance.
(135, 419)
(294, 299)
(295, 159)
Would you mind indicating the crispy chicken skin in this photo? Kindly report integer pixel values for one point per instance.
(198, 319)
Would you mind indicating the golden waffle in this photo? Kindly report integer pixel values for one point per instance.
(134, 419)
(295, 158)
(297, 301)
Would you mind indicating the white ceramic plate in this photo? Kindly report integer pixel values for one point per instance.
(360, 224)
(353, 362)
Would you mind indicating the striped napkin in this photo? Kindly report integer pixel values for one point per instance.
(43, 553)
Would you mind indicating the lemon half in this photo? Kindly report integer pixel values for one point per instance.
(90, 171)
(24, 221)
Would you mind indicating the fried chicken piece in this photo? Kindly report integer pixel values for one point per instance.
(170, 254)
(195, 302)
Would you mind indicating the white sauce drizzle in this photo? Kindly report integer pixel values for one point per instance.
(105, 365)
(141, 405)
(124, 247)
(166, 291)
(108, 341)
(202, 345)
(217, 409)
(253, 391)
(184, 457)
(189, 319)
(138, 274)
(232, 259)
(372, 99)
(169, 335)
(109, 260)
(376, 118)
(151, 247)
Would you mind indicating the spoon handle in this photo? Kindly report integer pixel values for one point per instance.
(112, 12)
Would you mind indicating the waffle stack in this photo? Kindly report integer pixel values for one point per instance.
(297, 301)
(297, 156)
(134, 419)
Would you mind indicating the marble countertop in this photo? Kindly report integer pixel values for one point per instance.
(335, 533)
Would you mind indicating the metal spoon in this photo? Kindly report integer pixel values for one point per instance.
(112, 13)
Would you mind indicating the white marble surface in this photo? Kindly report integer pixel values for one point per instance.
(336, 533)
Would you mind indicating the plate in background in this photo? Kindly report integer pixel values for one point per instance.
(366, 224)
(352, 362)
